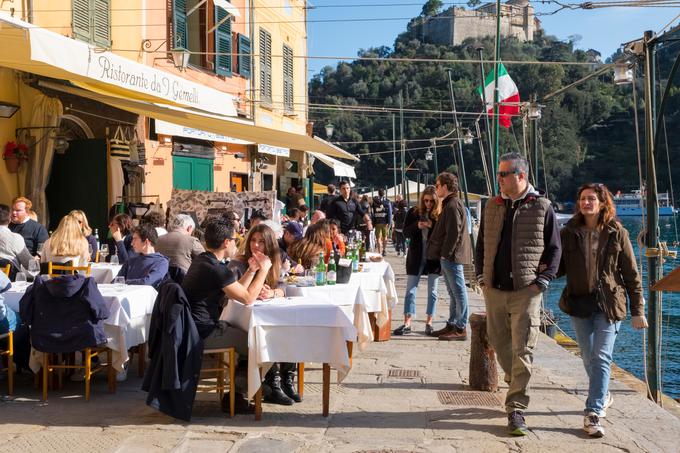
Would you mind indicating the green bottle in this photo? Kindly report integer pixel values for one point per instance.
(320, 271)
(331, 275)
(362, 252)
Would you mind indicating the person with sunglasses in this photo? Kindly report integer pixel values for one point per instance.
(517, 256)
(599, 263)
(418, 224)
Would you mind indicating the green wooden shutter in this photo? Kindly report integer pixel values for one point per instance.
(191, 173)
(202, 174)
(179, 24)
(101, 19)
(222, 42)
(288, 102)
(181, 173)
(266, 66)
(244, 56)
(80, 19)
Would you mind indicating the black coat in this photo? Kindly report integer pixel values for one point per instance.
(65, 313)
(415, 248)
(176, 354)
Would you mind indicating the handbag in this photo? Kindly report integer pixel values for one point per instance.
(119, 145)
(585, 306)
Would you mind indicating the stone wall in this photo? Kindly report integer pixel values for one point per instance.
(203, 204)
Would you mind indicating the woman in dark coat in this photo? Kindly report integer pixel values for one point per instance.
(419, 222)
(599, 262)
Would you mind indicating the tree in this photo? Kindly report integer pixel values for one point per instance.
(431, 8)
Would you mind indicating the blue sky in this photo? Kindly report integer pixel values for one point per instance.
(601, 29)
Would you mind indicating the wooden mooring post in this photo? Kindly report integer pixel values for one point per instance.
(483, 369)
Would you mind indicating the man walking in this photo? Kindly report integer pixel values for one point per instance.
(382, 212)
(450, 244)
(518, 254)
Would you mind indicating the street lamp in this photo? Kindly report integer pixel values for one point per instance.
(623, 74)
(329, 129)
(468, 137)
(428, 154)
(180, 58)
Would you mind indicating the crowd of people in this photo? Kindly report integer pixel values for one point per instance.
(519, 251)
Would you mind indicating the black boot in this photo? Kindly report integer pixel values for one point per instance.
(273, 380)
(287, 381)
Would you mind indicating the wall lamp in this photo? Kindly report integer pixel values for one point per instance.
(7, 109)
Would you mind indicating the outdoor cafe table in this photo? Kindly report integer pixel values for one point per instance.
(104, 272)
(295, 330)
(130, 308)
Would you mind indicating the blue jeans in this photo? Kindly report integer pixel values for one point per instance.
(455, 284)
(411, 288)
(596, 336)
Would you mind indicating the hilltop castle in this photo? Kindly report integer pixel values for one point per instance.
(455, 25)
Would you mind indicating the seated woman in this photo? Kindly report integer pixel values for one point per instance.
(146, 267)
(336, 237)
(121, 238)
(87, 231)
(306, 251)
(67, 243)
(279, 379)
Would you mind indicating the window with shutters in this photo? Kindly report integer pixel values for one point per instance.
(223, 52)
(288, 102)
(265, 67)
(244, 56)
(91, 21)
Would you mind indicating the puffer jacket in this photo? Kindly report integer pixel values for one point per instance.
(616, 267)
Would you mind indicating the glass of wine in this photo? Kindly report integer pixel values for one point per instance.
(103, 252)
(33, 268)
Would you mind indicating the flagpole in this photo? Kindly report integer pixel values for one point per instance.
(496, 95)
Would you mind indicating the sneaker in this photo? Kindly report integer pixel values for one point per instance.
(456, 335)
(121, 376)
(402, 330)
(608, 401)
(447, 329)
(592, 425)
(517, 426)
(429, 330)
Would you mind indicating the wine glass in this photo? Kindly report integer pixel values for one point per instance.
(20, 277)
(33, 268)
(114, 259)
(103, 252)
(119, 281)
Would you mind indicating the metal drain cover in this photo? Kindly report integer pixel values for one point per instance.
(401, 373)
(468, 399)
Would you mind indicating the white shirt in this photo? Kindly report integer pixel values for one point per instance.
(13, 247)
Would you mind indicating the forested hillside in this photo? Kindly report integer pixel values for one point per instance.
(587, 133)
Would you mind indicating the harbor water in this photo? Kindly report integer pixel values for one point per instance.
(630, 345)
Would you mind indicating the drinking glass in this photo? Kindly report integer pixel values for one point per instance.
(310, 277)
(103, 252)
(20, 277)
(33, 268)
(114, 259)
(119, 281)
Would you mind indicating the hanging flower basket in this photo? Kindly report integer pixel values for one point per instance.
(13, 155)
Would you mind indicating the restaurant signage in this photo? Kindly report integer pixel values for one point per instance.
(273, 150)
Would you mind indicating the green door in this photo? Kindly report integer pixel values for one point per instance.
(192, 173)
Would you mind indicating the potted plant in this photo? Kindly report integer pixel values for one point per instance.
(13, 155)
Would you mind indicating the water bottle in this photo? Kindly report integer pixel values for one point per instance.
(331, 275)
(320, 271)
(96, 238)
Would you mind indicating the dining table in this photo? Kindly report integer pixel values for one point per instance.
(104, 272)
(130, 308)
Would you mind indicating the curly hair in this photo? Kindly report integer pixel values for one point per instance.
(607, 207)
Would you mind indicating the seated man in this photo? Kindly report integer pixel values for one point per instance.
(179, 246)
(33, 232)
(209, 280)
(147, 267)
(12, 246)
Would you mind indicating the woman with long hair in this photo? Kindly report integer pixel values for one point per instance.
(87, 231)
(306, 250)
(278, 388)
(599, 263)
(121, 237)
(67, 243)
(418, 225)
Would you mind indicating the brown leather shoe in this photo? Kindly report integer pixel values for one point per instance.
(456, 335)
(447, 329)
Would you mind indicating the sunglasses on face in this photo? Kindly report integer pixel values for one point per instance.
(503, 174)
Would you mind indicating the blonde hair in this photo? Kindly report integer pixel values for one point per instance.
(68, 239)
(82, 220)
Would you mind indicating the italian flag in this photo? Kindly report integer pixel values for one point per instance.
(508, 95)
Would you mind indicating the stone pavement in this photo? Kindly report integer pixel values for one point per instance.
(372, 410)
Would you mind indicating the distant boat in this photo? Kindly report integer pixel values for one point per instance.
(634, 204)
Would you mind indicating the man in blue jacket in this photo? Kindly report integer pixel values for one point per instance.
(147, 267)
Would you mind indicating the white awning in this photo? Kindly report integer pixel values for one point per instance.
(27, 47)
(339, 168)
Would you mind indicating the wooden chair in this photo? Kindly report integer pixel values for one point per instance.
(9, 352)
(218, 371)
(7, 269)
(64, 269)
(88, 354)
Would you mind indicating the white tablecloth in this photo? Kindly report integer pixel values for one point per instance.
(130, 310)
(293, 330)
(104, 272)
(384, 269)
